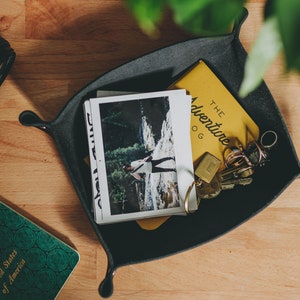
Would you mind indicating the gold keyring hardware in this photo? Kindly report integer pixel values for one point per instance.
(273, 143)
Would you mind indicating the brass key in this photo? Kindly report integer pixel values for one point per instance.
(230, 184)
(236, 172)
(224, 180)
(214, 188)
(209, 190)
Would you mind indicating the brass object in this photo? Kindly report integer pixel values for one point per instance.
(209, 190)
(240, 165)
(208, 167)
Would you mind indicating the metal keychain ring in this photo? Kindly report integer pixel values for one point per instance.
(187, 198)
(235, 157)
(268, 146)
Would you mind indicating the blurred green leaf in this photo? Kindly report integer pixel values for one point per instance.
(185, 10)
(266, 47)
(147, 13)
(288, 14)
(269, 9)
(206, 16)
(210, 17)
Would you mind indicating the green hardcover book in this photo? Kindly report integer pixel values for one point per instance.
(33, 263)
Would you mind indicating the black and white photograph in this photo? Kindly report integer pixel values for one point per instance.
(136, 141)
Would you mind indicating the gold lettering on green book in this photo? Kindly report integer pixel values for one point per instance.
(5, 289)
(10, 259)
(17, 271)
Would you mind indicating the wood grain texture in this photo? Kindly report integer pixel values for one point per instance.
(62, 45)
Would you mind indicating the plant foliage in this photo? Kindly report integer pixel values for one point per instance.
(279, 32)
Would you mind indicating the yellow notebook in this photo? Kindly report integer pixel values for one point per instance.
(217, 118)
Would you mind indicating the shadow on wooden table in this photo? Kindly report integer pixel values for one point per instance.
(67, 47)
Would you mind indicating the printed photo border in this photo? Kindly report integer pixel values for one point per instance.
(179, 105)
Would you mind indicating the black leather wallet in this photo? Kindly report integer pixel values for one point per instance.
(7, 58)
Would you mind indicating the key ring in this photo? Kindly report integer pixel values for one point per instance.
(266, 136)
(267, 141)
(237, 158)
(234, 157)
(187, 196)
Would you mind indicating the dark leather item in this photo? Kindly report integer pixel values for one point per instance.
(127, 243)
(7, 58)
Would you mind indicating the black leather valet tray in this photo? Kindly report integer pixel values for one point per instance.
(127, 243)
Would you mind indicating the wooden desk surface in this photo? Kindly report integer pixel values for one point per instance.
(63, 45)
